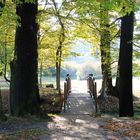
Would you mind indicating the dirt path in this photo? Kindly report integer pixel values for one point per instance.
(79, 122)
(71, 127)
(81, 127)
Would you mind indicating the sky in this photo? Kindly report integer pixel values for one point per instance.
(84, 49)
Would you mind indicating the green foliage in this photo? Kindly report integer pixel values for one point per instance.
(54, 22)
(7, 33)
(81, 19)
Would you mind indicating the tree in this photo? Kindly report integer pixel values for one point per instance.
(2, 116)
(24, 85)
(98, 16)
(7, 31)
(60, 45)
(58, 33)
(105, 46)
(125, 70)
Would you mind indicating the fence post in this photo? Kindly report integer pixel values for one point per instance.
(68, 80)
(65, 95)
(70, 84)
(95, 97)
(93, 87)
(88, 90)
(90, 86)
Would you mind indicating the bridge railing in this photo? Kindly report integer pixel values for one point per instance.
(92, 89)
(67, 90)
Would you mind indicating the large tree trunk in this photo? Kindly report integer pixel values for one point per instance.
(105, 52)
(125, 95)
(24, 81)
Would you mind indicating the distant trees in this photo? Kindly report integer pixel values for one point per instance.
(24, 83)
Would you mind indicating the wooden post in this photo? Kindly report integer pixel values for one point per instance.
(65, 95)
(93, 87)
(88, 84)
(69, 84)
(68, 80)
(95, 97)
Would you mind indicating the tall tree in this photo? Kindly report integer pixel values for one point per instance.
(125, 70)
(24, 85)
(2, 116)
(58, 14)
(59, 47)
(105, 45)
(1, 109)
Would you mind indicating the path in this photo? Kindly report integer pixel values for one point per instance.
(78, 122)
(79, 103)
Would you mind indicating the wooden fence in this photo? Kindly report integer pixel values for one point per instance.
(67, 90)
(92, 89)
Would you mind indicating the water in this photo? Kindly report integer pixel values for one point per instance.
(79, 85)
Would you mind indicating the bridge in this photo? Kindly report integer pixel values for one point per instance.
(78, 101)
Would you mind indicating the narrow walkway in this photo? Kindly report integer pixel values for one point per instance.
(79, 103)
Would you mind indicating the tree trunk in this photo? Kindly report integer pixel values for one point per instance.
(5, 63)
(58, 70)
(2, 116)
(24, 93)
(105, 52)
(125, 75)
(59, 49)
